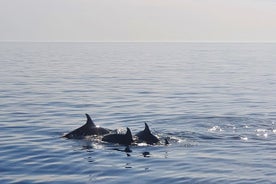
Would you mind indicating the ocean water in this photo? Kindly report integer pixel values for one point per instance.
(215, 102)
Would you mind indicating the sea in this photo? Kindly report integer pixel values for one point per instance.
(214, 102)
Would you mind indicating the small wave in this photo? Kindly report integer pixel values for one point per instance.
(244, 138)
(215, 129)
(262, 132)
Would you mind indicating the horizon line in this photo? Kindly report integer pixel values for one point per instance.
(65, 41)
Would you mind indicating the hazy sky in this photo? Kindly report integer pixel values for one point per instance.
(138, 20)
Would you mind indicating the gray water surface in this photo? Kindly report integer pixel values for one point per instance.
(215, 102)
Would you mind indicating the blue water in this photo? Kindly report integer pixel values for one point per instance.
(215, 102)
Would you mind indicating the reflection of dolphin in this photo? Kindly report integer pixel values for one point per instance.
(147, 136)
(88, 129)
(124, 139)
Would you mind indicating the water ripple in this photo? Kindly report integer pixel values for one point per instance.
(215, 103)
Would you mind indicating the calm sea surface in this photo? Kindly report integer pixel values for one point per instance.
(215, 102)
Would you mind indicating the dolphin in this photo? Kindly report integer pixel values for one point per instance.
(124, 139)
(147, 136)
(88, 129)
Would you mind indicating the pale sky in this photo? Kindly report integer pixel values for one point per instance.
(138, 20)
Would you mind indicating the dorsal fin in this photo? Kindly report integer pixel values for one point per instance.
(128, 133)
(129, 136)
(147, 130)
(89, 121)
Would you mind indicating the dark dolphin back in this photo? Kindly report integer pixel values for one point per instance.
(88, 129)
(124, 139)
(147, 136)
(93, 129)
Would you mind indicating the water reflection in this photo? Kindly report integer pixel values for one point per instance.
(127, 166)
(146, 154)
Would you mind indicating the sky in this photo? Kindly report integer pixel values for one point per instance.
(138, 20)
